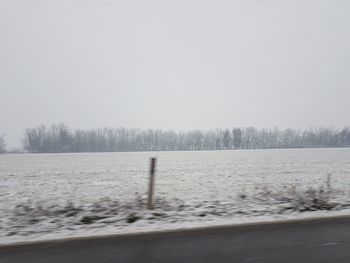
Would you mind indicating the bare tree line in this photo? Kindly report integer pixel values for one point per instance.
(59, 138)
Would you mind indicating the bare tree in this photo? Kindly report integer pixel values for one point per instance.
(227, 141)
(2, 144)
(237, 138)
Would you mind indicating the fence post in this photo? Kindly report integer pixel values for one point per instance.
(150, 202)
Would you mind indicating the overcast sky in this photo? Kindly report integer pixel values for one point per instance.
(173, 64)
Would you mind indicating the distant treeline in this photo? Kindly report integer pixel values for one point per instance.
(59, 138)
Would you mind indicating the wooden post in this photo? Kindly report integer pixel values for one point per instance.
(152, 169)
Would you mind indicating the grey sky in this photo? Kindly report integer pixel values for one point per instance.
(173, 64)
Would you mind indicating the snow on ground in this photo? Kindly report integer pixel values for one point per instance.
(45, 196)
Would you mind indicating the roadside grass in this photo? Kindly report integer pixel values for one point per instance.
(30, 218)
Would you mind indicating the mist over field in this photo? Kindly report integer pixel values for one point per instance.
(180, 65)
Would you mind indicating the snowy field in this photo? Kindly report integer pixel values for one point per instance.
(57, 195)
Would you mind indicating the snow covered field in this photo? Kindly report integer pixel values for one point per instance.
(57, 195)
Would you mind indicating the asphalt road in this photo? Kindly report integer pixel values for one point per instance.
(314, 241)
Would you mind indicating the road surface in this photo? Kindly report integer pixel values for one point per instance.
(318, 241)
